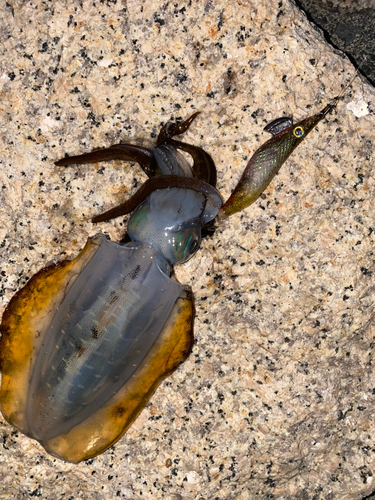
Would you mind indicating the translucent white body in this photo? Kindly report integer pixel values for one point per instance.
(114, 311)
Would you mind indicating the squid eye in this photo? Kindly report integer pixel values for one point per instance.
(298, 132)
(189, 244)
(184, 246)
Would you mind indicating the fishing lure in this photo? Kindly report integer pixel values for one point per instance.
(86, 342)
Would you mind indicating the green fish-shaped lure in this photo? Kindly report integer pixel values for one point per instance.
(268, 159)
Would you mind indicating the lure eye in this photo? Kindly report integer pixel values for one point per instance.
(298, 132)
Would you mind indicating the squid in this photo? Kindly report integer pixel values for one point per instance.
(86, 342)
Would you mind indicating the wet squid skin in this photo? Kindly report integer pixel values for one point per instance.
(86, 342)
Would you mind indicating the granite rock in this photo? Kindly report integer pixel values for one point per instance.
(278, 396)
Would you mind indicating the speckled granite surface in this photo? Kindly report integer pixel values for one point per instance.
(278, 397)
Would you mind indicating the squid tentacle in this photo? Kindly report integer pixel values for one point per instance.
(161, 182)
